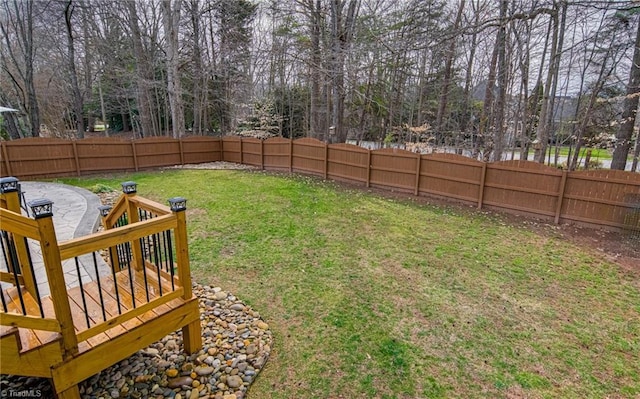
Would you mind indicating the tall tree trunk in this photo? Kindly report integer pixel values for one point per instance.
(487, 109)
(171, 21)
(143, 92)
(546, 114)
(625, 130)
(342, 27)
(71, 61)
(87, 19)
(468, 80)
(317, 122)
(198, 78)
(636, 155)
(448, 71)
(11, 124)
(498, 130)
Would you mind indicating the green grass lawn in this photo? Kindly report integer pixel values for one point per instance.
(373, 297)
(596, 153)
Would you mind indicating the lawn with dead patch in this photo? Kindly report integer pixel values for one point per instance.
(370, 296)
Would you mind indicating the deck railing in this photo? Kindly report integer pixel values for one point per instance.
(139, 263)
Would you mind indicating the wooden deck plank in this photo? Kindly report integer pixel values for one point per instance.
(110, 305)
(164, 276)
(34, 339)
(94, 308)
(126, 297)
(29, 338)
(138, 293)
(79, 320)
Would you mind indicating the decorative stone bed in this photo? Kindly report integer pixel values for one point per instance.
(236, 345)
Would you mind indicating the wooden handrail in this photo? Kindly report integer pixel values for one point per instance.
(119, 208)
(117, 235)
(18, 224)
(6, 277)
(151, 206)
(28, 321)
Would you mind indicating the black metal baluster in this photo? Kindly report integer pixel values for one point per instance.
(95, 265)
(157, 262)
(6, 260)
(144, 274)
(14, 259)
(146, 254)
(164, 247)
(115, 281)
(4, 302)
(133, 295)
(84, 300)
(170, 260)
(33, 273)
(4, 242)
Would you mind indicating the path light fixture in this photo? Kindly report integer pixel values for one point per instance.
(178, 204)
(104, 210)
(41, 208)
(129, 187)
(8, 185)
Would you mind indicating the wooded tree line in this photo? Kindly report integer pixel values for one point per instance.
(492, 76)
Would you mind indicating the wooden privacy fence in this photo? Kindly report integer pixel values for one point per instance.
(605, 198)
(48, 157)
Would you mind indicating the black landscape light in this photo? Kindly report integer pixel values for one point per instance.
(8, 185)
(178, 204)
(41, 208)
(129, 187)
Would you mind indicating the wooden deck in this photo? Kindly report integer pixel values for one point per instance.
(76, 332)
(35, 352)
(31, 339)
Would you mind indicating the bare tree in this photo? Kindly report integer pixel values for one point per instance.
(18, 56)
(343, 19)
(630, 108)
(448, 69)
(171, 21)
(143, 74)
(71, 64)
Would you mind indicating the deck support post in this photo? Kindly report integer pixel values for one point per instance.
(53, 267)
(10, 198)
(129, 189)
(191, 333)
(70, 393)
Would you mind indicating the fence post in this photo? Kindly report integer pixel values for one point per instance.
(483, 177)
(75, 156)
(11, 198)
(135, 156)
(326, 160)
(181, 151)
(290, 154)
(42, 210)
(368, 167)
(191, 334)
(222, 149)
(563, 184)
(262, 154)
(418, 166)
(241, 153)
(5, 155)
